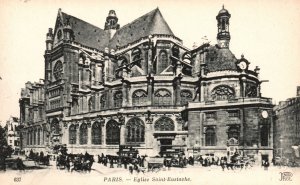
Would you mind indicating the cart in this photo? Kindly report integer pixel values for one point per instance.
(155, 164)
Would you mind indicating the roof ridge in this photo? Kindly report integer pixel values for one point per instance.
(81, 20)
(135, 20)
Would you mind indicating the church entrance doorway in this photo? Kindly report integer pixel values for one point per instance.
(165, 145)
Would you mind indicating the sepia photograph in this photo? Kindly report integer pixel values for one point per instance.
(153, 92)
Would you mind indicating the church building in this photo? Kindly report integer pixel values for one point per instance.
(137, 86)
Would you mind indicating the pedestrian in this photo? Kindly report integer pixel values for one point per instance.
(125, 163)
(105, 161)
(119, 163)
(111, 162)
(130, 169)
(266, 165)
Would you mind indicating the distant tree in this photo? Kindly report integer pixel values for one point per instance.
(5, 150)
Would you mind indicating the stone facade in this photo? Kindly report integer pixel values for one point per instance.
(32, 117)
(138, 86)
(287, 128)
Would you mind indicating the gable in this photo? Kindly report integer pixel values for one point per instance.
(137, 71)
(82, 32)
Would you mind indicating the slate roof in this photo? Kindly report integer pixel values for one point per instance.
(220, 59)
(92, 36)
(150, 23)
(86, 33)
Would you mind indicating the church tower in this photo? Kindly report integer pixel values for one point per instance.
(223, 36)
(111, 24)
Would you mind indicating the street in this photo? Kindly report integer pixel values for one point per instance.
(190, 175)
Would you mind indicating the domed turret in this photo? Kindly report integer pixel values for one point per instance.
(111, 23)
(49, 39)
(223, 28)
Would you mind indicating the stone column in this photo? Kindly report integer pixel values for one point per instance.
(103, 139)
(202, 91)
(89, 130)
(100, 73)
(106, 71)
(243, 86)
(125, 94)
(177, 85)
(150, 67)
(150, 83)
(109, 100)
(122, 135)
(178, 68)
(42, 136)
(77, 134)
(80, 78)
(93, 73)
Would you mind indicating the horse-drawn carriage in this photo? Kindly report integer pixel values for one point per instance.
(39, 158)
(238, 162)
(77, 162)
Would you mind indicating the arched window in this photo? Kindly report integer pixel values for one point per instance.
(57, 70)
(223, 24)
(137, 60)
(59, 35)
(162, 97)
(164, 124)
(118, 98)
(233, 132)
(83, 134)
(91, 103)
(96, 133)
(186, 96)
(175, 51)
(251, 90)
(135, 131)
(72, 134)
(122, 61)
(75, 106)
(162, 62)
(139, 97)
(112, 133)
(210, 137)
(55, 126)
(103, 101)
(222, 92)
(264, 135)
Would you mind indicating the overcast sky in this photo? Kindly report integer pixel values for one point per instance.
(265, 31)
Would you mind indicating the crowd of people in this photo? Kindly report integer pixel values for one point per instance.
(135, 163)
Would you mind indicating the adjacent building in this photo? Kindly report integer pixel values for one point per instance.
(13, 133)
(287, 127)
(32, 117)
(138, 86)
